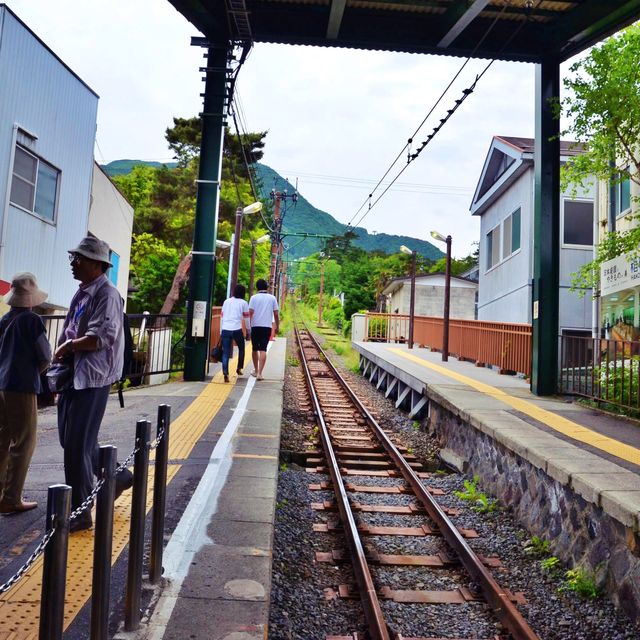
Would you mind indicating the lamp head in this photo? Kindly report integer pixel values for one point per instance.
(252, 208)
(406, 250)
(262, 239)
(222, 244)
(438, 236)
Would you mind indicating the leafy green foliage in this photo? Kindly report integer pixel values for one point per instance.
(581, 582)
(603, 106)
(619, 380)
(550, 565)
(536, 546)
(479, 501)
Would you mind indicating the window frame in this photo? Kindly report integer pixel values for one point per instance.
(617, 189)
(14, 176)
(501, 226)
(572, 245)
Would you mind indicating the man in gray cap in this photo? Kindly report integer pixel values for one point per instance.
(92, 338)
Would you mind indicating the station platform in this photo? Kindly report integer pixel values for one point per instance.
(222, 477)
(595, 453)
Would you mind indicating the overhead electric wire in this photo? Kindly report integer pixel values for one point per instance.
(466, 93)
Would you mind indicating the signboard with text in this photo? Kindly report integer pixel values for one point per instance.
(618, 274)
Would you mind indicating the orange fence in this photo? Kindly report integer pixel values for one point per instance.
(214, 334)
(501, 344)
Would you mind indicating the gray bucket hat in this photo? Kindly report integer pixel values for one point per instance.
(24, 291)
(94, 249)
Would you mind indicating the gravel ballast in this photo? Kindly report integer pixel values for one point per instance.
(300, 607)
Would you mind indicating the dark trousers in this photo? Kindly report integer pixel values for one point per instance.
(227, 338)
(80, 412)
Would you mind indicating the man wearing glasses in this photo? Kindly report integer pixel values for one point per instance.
(92, 338)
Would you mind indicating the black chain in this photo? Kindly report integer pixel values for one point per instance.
(158, 440)
(38, 551)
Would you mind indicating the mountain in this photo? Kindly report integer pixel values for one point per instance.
(303, 217)
(122, 167)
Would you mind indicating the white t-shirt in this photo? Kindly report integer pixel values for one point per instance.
(232, 311)
(263, 305)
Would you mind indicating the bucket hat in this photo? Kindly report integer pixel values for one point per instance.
(24, 291)
(94, 249)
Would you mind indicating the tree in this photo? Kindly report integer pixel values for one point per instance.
(603, 106)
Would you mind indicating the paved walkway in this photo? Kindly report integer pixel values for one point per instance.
(223, 463)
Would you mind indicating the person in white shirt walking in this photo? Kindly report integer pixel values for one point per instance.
(263, 310)
(235, 318)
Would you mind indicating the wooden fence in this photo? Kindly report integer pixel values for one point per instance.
(502, 344)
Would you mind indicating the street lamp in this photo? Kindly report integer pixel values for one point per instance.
(412, 303)
(254, 244)
(240, 211)
(447, 295)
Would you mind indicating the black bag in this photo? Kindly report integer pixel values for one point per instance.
(216, 352)
(60, 376)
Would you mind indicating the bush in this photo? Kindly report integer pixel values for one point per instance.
(619, 380)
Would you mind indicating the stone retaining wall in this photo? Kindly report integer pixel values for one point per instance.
(580, 532)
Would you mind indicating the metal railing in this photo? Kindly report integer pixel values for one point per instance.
(55, 543)
(501, 344)
(605, 371)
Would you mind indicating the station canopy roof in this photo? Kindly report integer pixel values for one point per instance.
(526, 30)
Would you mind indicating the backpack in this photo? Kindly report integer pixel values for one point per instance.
(128, 357)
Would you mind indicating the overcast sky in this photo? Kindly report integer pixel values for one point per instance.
(336, 118)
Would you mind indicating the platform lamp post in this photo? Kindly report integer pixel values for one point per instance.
(412, 303)
(254, 245)
(240, 211)
(447, 295)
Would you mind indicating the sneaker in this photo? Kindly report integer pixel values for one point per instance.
(259, 377)
(239, 372)
(81, 523)
(254, 374)
(226, 378)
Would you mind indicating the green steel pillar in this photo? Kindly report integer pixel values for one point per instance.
(206, 221)
(546, 232)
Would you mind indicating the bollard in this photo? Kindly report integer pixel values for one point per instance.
(136, 536)
(54, 572)
(159, 495)
(102, 544)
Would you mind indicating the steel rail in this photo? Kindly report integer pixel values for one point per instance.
(495, 595)
(373, 611)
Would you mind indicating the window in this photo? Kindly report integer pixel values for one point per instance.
(34, 185)
(621, 197)
(509, 231)
(493, 247)
(578, 223)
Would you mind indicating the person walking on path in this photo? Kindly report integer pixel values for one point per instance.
(92, 339)
(263, 311)
(235, 323)
(24, 354)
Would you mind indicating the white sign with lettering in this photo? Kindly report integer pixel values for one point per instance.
(618, 274)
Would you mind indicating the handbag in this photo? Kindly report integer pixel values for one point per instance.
(60, 376)
(216, 352)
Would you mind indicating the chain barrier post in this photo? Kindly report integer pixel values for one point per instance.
(103, 542)
(54, 572)
(136, 536)
(159, 493)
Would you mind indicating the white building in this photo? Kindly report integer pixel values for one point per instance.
(47, 133)
(504, 198)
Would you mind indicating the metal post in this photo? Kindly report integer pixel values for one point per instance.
(320, 300)
(236, 250)
(447, 298)
(136, 536)
(207, 200)
(546, 230)
(102, 545)
(254, 246)
(412, 302)
(54, 572)
(275, 243)
(159, 494)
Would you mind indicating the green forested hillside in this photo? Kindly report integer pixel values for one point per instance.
(122, 167)
(305, 218)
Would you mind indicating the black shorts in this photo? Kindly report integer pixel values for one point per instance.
(260, 338)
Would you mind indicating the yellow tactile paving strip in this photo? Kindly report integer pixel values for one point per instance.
(20, 607)
(554, 421)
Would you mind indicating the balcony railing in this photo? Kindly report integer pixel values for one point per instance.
(501, 344)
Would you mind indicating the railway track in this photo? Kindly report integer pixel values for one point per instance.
(376, 482)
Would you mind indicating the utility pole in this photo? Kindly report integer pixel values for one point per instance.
(321, 293)
(275, 242)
